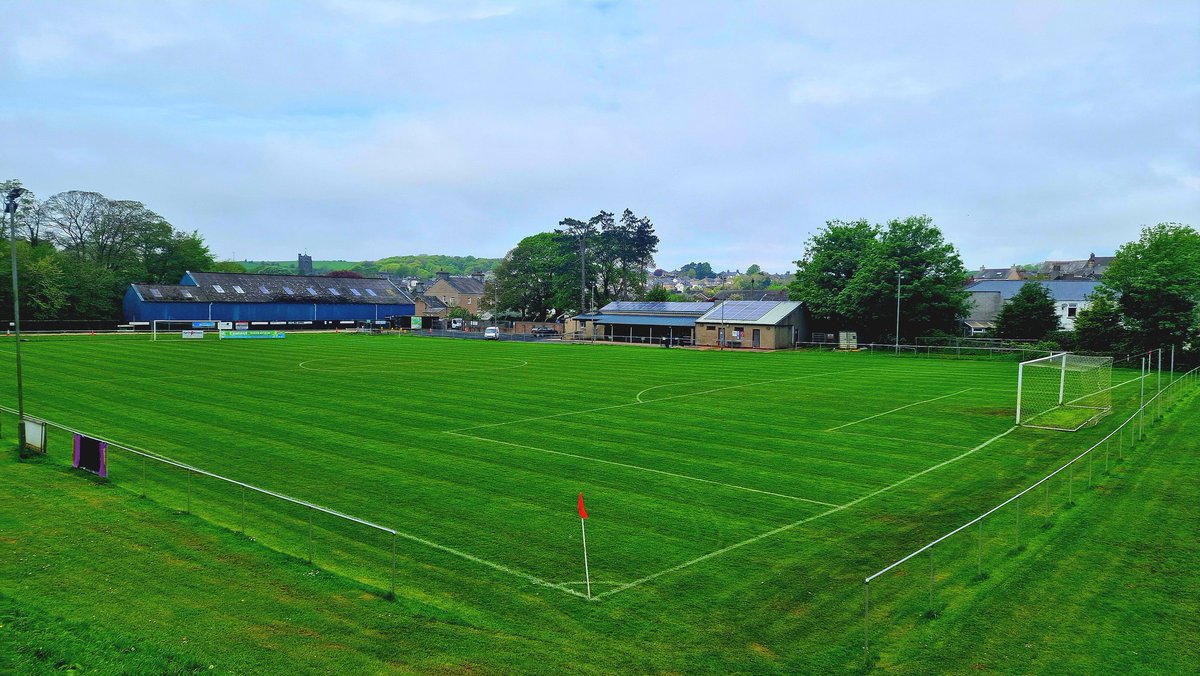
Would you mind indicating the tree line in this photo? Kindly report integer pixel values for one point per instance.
(578, 266)
(78, 251)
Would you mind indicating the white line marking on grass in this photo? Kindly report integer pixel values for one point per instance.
(504, 569)
(652, 401)
(790, 526)
(902, 440)
(1092, 394)
(644, 469)
(899, 408)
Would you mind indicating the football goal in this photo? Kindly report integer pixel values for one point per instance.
(186, 329)
(1064, 391)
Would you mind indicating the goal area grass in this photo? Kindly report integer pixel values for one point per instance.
(735, 499)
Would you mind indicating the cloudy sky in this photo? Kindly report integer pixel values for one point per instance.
(357, 129)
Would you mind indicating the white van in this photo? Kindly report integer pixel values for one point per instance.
(491, 333)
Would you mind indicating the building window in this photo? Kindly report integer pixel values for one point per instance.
(355, 292)
(218, 289)
(264, 290)
(288, 290)
(333, 291)
(469, 299)
(186, 293)
(710, 327)
(371, 292)
(156, 293)
(1072, 309)
(238, 289)
(311, 291)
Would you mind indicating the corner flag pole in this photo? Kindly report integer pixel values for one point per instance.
(587, 576)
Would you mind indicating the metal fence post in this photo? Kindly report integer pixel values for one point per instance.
(243, 510)
(189, 491)
(393, 565)
(310, 517)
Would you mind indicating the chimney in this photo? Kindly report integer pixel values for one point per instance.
(442, 274)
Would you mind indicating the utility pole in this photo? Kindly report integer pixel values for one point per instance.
(10, 208)
(898, 274)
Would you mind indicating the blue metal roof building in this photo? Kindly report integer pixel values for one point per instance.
(248, 297)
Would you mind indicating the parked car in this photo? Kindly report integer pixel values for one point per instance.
(491, 333)
(544, 331)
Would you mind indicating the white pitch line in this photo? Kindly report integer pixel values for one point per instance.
(899, 408)
(790, 526)
(638, 467)
(652, 401)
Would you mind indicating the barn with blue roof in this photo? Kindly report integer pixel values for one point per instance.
(226, 296)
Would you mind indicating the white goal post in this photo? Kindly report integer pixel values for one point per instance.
(1064, 391)
(181, 328)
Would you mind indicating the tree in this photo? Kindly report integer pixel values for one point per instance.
(1028, 314)
(346, 274)
(1099, 327)
(536, 277)
(658, 293)
(460, 313)
(1158, 279)
(697, 271)
(847, 278)
(228, 266)
(274, 270)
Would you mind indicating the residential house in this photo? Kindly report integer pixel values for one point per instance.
(465, 292)
(987, 297)
(1092, 267)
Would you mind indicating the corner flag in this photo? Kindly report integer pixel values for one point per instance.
(587, 575)
(582, 511)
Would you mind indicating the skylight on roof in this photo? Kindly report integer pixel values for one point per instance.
(371, 292)
(218, 289)
(238, 289)
(156, 293)
(263, 289)
(311, 291)
(333, 291)
(186, 293)
(355, 292)
(288, 290)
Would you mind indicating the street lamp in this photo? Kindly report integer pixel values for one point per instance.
(10, 208)
(898, 274)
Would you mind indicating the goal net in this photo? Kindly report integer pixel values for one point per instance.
(1064, 391)
(182, 329)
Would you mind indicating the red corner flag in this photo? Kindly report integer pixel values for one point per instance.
(582, 511)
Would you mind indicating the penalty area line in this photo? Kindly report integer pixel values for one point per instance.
(795, 524)
(898, 408)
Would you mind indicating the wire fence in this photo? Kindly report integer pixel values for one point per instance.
(338, 542)
(1013, 354)
(957, 562)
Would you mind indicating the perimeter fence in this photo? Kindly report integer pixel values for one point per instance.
(338, 542)
(896, 598)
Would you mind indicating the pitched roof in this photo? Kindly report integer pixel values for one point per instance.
(1060, 290)
(656, 308)
(467, 285)
(433, 303)
(752, 294)
(761, 312)
(230, 287)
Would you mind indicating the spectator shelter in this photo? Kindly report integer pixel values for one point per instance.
(641, 322)
(267, 298)
(764, 324)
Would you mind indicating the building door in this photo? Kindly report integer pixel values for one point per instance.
(756, 337)
(721, 335)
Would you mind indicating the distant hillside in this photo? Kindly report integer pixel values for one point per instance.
(421, 265)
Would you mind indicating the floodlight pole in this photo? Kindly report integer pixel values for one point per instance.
(898, 273)
(10, 208)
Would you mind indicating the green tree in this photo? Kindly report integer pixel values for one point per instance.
(274, 270)
(658, 293)
(1098, 327)
(228, 266)
(1028, 314)
(535, 277)
(831, 260)
(1158, 279)
(847, 278)
(697, 270)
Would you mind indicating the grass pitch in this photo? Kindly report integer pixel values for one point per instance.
(736, 499)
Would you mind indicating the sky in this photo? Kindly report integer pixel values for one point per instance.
(358, 129)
